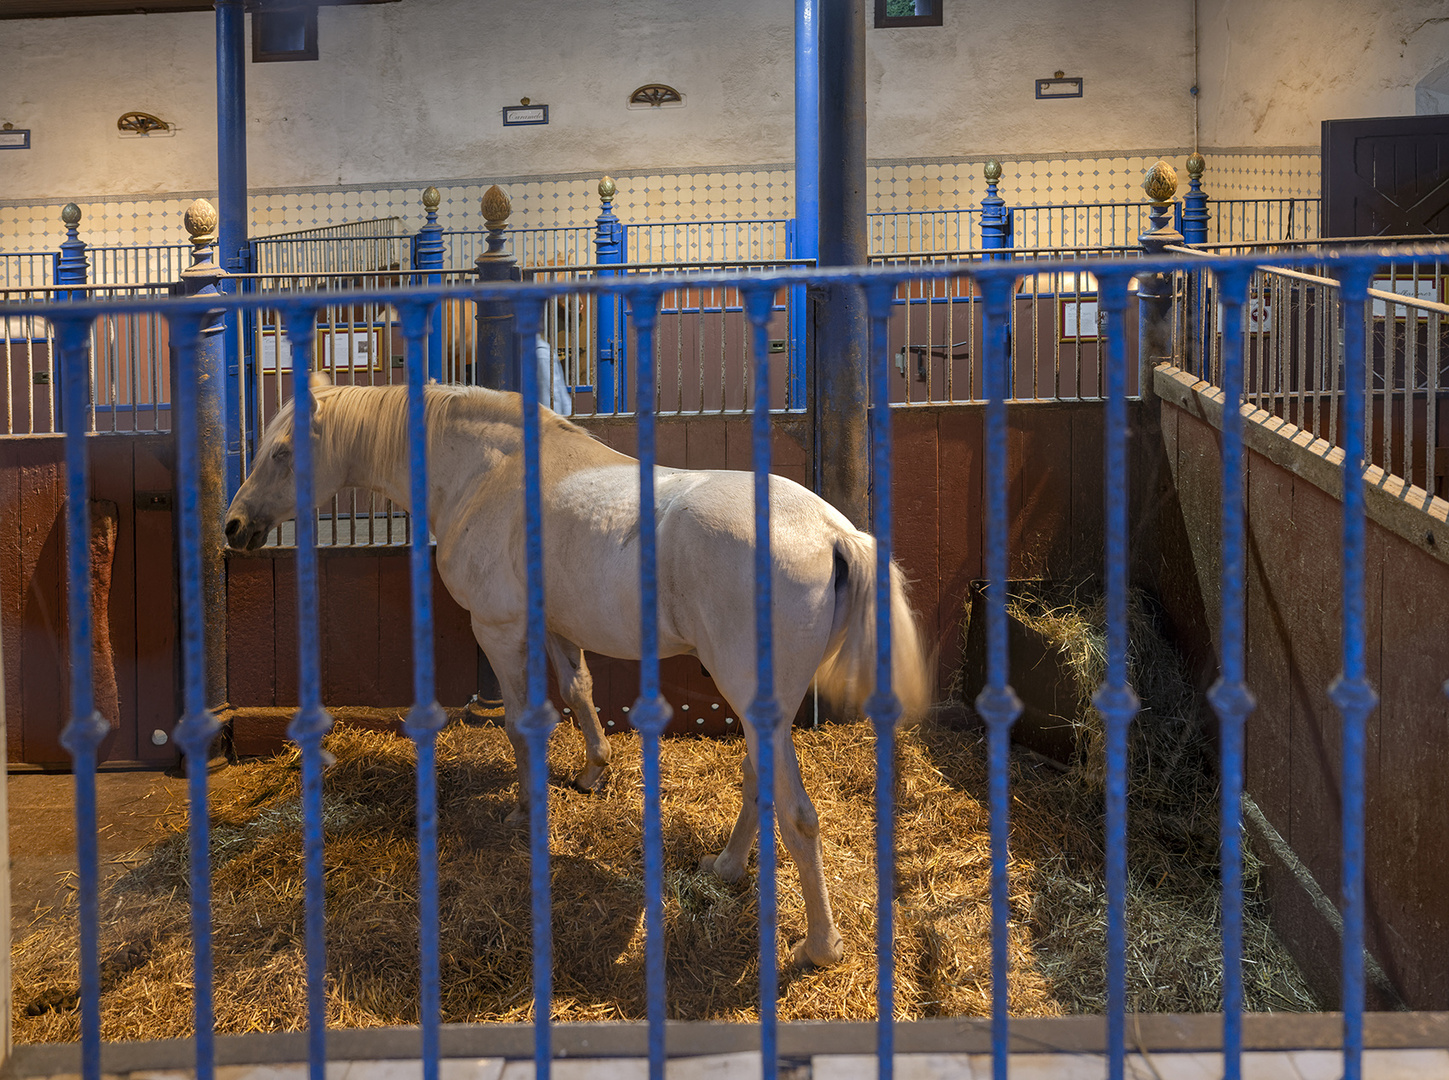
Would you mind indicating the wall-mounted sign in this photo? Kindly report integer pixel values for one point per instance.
(15, 139)
(1059, 86)
(524, 114)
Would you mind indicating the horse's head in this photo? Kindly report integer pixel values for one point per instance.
(269, 494)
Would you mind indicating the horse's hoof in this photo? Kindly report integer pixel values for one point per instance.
(802, 955)
(591, 779)
(711, 864)
(519, 816)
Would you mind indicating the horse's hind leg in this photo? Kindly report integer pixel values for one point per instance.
(576, 686)
(729, 864)
(800, 830)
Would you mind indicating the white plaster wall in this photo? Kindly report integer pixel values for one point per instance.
(412, 91)
(1272, 72)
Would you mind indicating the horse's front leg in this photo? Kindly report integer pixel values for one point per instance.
(576, 686)
(729, 864)
(509, 660)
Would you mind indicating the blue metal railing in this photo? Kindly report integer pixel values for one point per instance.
(998, 703)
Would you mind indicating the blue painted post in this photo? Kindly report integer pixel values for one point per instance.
(234, 252)
(1156, 292)
(805, 228)
(651, 712)
(1351, 692)
(426, 718)
(1115, 699)
(86, 727)
(1229, 695)
(428, 256)
(763, 712)
(496, 358)
(539, 717)
(205, 278)
(71, 268)
(883, 707)
(842, 340)
(608, 349)
(201, 487)
(995, 218)
(312, 721)
(997, 703)
(1194, 204)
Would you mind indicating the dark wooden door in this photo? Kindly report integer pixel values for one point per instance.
(1386, 176)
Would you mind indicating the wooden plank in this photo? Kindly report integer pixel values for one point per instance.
(915, 540)
(113, 479)
(1408, 872)
(284, 629)
(395, 630)
(12, 597)
(739, 446)
(1086, 537)
(349, 628)
(44, 700)
(960, 526)
(1271, 582)
(251, 660)
(158, 672)
(670, 438)
(705, 445)
(1039, 498)
(790, 453)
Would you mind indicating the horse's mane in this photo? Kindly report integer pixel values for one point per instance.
(373, 420)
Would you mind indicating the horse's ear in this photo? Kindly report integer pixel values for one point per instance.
(319, 380)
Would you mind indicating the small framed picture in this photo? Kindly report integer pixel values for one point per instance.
(522, 115)
(348, 348)
(1408, 287)
(15, 139)
(274, 351)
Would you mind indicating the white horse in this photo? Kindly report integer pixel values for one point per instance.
(824, 578)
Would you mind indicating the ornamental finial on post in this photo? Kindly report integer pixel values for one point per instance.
(1195, 202)
(201, 221)
(992, 170)
(496, 208)
(1160, 183)
(72, 267)
(70, 215)
(431, 199)
(607, 189)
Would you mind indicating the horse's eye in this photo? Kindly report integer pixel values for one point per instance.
(282, 455)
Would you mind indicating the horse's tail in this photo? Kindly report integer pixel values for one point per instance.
(847, 674)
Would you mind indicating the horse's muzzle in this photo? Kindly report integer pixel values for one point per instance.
(245, 534)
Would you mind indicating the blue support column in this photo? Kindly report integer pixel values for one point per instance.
(995, 218)
(497, 362)
(232, 247)
(608, 251)
(804, 237)
(205, 278)
(71, 268)
(428, 256)
(843, 338)
(1194, 204)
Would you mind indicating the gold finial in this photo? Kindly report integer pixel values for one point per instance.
(607, 188)
(1196, 163)
(523, 101)
(1160, 182)
(70, 214)
(431, 198)
(201, 221)
(993, 170)
(496, 207)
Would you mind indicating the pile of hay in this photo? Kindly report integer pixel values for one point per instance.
(1174, 930)
(943, 874)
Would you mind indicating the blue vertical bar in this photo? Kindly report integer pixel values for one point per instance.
(608, 250)
(426, 718)
(312, 721)
(86, 728)
(540, 716)
(1229, 695)
(997, 703)
(651, 712)
(764, 711)
(1351, 691)
(882, 706)
(231, 205)
(428, 252)
(805, 228)
(1115, 699)
(198, 726)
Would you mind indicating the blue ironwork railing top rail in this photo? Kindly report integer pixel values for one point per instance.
(540, 292)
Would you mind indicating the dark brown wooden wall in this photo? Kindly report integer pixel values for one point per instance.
(142, 623)
(1293, 736)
